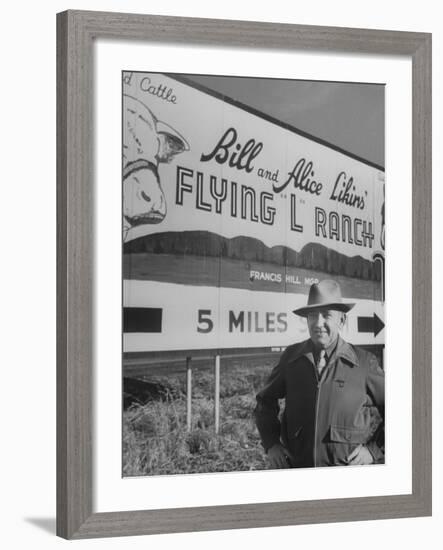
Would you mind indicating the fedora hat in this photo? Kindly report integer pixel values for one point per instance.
(325, 294)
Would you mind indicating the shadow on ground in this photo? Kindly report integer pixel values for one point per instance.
(46, 524)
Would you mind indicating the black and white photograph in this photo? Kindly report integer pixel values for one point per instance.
(253, 238)
(219, 287)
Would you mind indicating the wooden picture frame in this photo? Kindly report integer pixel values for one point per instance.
(76, 32)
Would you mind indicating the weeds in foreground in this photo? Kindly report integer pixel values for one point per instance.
(156, 441)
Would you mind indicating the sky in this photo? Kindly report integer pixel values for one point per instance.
(347, 115)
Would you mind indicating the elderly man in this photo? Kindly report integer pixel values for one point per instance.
(332, 391)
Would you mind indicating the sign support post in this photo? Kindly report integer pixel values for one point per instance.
(217, 394)
(188, 394)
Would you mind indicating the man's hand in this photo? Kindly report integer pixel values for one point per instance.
(279, 457)
(360, 456)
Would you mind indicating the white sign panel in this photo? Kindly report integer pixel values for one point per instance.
(229, 217)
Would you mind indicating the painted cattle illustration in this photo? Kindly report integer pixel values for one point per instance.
(147, 142)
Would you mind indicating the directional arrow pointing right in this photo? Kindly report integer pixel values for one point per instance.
(370, 324)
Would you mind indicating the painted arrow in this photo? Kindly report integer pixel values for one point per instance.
(370, 324)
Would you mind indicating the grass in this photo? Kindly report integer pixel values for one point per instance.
(155, 438)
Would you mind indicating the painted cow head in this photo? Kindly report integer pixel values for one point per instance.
(147, 142)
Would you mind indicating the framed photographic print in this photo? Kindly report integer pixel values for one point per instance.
(243, 260)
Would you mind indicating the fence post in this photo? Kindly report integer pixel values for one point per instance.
(188, 394)
(217, 394)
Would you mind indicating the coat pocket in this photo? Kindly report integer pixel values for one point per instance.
(350, 435)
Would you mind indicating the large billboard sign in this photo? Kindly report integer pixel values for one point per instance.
(229, 217)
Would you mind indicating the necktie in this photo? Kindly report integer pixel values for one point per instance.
(321, 363)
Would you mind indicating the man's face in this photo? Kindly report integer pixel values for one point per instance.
(324, 326)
